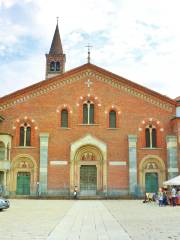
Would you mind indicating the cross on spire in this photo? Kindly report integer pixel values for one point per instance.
(89, 53)
(57, 19)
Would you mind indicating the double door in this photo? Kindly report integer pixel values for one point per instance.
(151, 182)
(23, 183)
(88, 179)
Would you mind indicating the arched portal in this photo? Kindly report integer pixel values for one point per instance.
(24, 175)
(152, 173)
(88, 169)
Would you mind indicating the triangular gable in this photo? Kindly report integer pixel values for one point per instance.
(87, 70)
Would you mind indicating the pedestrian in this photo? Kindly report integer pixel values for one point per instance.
(173, 196)
(160, 197)
(37, 190)
(145, 198)
(75, 192)
(165, 198)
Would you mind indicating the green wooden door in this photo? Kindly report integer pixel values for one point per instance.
(151, 181)
(23, 183)
(1, 178)
(88, 179)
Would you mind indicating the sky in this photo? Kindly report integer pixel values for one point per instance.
(138, 40)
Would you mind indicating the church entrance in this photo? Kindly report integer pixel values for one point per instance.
(23, 183)
(88, 166)
(88, 179)
(151, 182)
(151, 173)
(23, 175)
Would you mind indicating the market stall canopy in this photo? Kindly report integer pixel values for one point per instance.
(173, 181)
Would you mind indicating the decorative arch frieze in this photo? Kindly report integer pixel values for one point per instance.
(59, 83)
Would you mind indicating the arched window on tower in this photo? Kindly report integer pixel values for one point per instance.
(64, 118)
(112, 119)
(25, 135)
(151, 136)
(52, 66)
(2, 151)
(88, 113)
(57, 66)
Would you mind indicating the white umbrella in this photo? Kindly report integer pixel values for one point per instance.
(174, 181)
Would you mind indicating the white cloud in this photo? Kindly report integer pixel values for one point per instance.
(22, 74)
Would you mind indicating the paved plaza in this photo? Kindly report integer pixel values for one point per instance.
(89, 220)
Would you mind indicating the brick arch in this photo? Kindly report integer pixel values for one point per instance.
(97, 104)
(32, 123)
(159, 131)
(58, 111)
(118, 113)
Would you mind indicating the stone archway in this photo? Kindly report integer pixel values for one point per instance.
(151, 164)
(24, 165)
(89, 151)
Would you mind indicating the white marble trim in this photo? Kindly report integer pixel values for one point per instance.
(117, 163)
(55, 163)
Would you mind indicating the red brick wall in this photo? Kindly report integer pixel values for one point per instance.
(132, 111)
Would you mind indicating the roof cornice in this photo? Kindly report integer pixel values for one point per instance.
(2, 118)
(88, 70)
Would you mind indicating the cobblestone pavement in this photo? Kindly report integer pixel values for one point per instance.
(95, 219)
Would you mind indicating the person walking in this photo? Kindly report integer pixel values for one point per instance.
(165, 203)
(160, 197)
(173, 195)
(75, 192)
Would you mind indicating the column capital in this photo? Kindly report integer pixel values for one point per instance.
(44, 135)
(132, 138)
(171, 141)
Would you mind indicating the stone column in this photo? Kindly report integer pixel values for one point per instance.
(172, 159)
(5, 182)
(5, 155)
(43, 171)
(132, 139)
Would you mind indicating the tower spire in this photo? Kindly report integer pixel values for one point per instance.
(55, 60)
(56, 45)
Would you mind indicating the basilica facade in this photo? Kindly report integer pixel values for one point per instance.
(88, 128)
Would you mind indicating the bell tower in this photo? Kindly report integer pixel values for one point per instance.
(55, 60)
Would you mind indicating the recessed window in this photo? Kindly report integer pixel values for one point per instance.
(151, 136)
(112, 119)
(88, 113)
(57, 66)
(52, 66)
(64, 118)
(25, 135)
